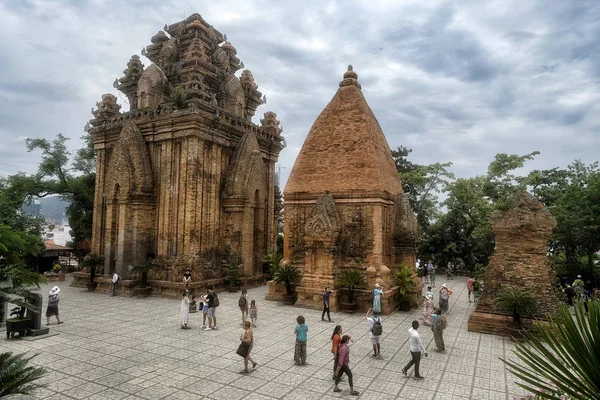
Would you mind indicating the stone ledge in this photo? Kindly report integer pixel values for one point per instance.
(160, 288)
(496, 324)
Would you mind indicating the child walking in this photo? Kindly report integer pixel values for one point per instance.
(185, 310)
(253, 313)
(301, 333)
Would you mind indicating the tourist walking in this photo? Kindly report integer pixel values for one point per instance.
(444, 297)
(213, 302)
(415, 345)
(570, 293)
(301, 332)
(187, 278)
(343, 366)
(243, 304)
(115, 282)
(253, 313)
(471, 287)
(426, 316)
(375, 331)
(426, 271)
(185, 310)
(336, 338)
(326, 296)
(438, 330)
(52, 309)
(245, 348)
(578, 286)
(376, 297)
(432, 275)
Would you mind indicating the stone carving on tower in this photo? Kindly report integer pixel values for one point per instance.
(185, 171)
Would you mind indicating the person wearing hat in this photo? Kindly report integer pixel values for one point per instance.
(445, 293)
(578, 286)
(376, 297)
(53, 305)
(427, 310)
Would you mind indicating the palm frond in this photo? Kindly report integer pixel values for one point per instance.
(16, 377)
(564, 357)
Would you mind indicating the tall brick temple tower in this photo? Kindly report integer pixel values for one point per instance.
(344, 204)
(185, 170)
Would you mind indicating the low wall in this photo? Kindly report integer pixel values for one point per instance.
(496, 324)
(161, 288)
(313, 298)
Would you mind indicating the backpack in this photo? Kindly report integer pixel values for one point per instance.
(242, 301)
(377, 329)
(215, 302)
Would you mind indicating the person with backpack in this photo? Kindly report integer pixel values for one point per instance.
(243, 304)
(375, 330)
(438, 330)
(213, 302)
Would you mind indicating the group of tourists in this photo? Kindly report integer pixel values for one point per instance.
(435, 316)
(208, 304)
(580, 290)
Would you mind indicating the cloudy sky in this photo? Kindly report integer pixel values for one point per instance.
(455, 81)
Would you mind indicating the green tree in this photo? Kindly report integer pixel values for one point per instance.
(422, 184)
(57, 174)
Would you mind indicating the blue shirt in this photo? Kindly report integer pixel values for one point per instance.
(301, 331)
(326, 297)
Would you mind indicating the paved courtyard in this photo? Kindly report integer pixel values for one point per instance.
(133, 348)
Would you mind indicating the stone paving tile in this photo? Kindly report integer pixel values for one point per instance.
(132, 348)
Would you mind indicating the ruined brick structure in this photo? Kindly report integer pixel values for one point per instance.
(185, 170)
(520, 260)
(344, 204)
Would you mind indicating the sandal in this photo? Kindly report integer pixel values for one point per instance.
(337, 389)
(254, 364)
(354, 393)
(244, 371)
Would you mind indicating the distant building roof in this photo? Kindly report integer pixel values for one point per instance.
(51, 246)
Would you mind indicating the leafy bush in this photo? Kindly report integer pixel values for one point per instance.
(351, 279)
(516, 302)
(288, 276)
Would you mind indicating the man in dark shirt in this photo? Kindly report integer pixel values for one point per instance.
(326, 296)
(212, 317)
(570, 292)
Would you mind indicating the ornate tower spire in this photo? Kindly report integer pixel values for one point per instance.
(350, 78)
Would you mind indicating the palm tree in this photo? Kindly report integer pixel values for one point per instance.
(563, 358)
(143, 269)
(16, 377)
(516, 302)
(352, 279)
(93, 261)
(289, 276)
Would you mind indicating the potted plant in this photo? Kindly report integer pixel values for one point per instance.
(142, 270)
(517, 303)
(92, 261)
(288, 276)
(232, 277)
(272, 261)
(351, 279)
(404, 281)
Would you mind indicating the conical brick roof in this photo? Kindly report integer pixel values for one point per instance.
(345, 150)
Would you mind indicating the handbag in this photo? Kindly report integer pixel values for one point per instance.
(243, 349)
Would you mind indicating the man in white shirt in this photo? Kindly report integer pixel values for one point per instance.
(416, 345)
(115, 280)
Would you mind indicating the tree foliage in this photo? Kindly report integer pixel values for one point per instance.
(16, 377)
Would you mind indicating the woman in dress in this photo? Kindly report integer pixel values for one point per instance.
(427, 315)
(247, 342)
(185, 310)
(377, 293)
(253, 313)
(53, 305)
